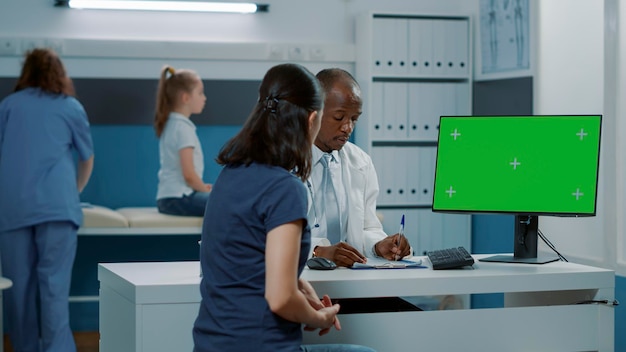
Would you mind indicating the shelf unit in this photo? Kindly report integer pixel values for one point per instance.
(412, 69)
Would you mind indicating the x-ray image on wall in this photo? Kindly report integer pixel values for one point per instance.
(504, 35)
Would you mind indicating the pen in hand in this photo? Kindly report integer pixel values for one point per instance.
(401, 234)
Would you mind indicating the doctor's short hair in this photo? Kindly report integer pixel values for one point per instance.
(329, 76)
(277, 131)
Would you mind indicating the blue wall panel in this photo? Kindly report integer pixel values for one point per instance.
(127, 162)
(125, 174)
(491, 234)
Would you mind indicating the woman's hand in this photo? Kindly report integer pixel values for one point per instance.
(329, 311)
(310, 294)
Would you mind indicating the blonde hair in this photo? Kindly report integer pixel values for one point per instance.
(171, 84)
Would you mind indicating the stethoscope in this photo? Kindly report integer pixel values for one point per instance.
(315, 221)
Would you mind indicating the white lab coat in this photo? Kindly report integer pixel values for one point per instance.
(361, 184)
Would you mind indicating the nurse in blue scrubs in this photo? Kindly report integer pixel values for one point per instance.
(43, 130)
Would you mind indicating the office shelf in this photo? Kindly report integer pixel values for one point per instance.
(412, 68)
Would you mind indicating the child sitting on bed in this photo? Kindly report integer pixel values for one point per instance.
(181, 190)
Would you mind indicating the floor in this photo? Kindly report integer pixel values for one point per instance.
(85, 342)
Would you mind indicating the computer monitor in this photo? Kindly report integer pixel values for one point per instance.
(521, 165)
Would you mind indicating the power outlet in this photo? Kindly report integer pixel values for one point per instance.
(296, 53)
(317, 53)
(9, 46)
(31, 43)
(55, 44)
(276, 52)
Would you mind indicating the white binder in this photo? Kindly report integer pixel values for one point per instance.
(426, 174)
(401, 105)
(417, 106)
(390, 46)
(377, 159)
(449, 102)
(432, 110)
(459, 34)
(390, 110)
(440, 67)
(413, 165)
(383, 162)
(377, 114)
(381, 47)
(421, 41)
(451, 46)
(462, 99)
(414, 46)
(400, 40)
(401, 160)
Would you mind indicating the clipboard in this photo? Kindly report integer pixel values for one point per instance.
(380, 263)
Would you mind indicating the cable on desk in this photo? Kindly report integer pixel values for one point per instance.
(549, 244)
(600, 301)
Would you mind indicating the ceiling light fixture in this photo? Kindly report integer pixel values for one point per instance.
(191, 6)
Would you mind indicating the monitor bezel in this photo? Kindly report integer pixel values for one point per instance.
(520, 212)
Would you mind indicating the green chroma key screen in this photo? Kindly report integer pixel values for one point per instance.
(518, 164)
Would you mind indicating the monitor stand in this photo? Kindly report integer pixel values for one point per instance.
(525, 244)
(513, 259)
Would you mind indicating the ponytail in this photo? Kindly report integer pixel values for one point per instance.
(163, 105)
(171, 84)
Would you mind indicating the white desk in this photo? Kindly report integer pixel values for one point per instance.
(152, 307)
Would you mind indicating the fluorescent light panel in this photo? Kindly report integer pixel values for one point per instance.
(164, 6)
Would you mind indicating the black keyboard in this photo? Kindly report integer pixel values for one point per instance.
(450, 258)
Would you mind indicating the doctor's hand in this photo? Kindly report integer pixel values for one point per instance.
(393, 247)
(341, 253)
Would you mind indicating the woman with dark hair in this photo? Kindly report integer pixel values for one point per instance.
(42, 128)
(255, 237)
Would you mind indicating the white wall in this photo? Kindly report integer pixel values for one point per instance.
(287, 20)
(319, 22)
(620, 131)
(577, 73)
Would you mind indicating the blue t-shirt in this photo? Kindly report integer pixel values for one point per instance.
(40, 133)
(245, 204)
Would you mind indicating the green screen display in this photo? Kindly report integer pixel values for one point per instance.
(518, 164)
